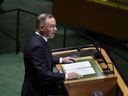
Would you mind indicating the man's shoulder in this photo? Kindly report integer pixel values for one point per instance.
(36, 39)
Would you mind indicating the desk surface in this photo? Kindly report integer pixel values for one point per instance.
(88, 83)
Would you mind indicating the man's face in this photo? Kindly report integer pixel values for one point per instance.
(49, 28)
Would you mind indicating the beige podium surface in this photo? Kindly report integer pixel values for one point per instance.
(90, 84)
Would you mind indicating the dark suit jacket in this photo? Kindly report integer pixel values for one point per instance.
(39, 77)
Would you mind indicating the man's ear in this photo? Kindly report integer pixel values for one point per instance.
(41, 27)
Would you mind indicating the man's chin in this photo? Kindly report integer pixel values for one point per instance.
(51, 37)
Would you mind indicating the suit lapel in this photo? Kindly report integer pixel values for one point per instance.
(45, 42)
(47, 47)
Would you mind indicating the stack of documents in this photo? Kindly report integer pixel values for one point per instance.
(82, 68)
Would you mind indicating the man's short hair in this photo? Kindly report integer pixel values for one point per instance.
(42, 18)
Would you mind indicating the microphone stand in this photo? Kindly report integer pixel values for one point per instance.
(96, 44)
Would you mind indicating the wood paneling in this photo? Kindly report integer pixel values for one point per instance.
(109, 20)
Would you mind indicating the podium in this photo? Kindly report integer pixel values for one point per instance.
(105, 86)
(98, 84)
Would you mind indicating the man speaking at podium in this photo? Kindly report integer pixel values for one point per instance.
(39, 79)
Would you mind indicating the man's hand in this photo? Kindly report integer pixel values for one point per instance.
(68, 59)
(73, 75)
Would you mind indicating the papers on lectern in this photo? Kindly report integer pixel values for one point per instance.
(82, 68)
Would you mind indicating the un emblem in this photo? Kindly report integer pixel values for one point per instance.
(97, 93)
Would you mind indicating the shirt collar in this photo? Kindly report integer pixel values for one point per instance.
(46, 39)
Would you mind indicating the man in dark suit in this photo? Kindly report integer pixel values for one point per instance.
(39, 79)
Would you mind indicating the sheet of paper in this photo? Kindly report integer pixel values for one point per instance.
(82, 68)
(76, 65)
(82, 71)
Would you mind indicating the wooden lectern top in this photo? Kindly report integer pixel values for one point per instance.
(89, 85)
